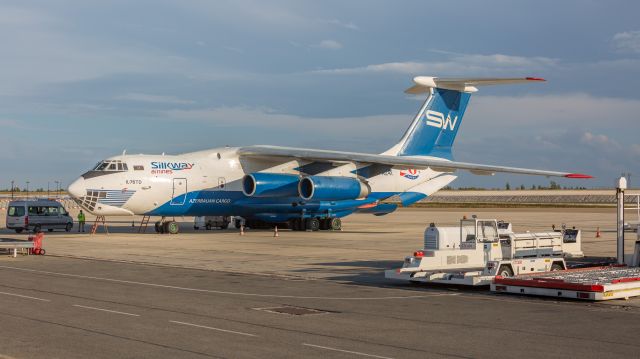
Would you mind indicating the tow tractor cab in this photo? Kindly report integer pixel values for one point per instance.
(479, 249)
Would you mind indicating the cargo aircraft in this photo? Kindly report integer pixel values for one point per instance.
(306, 189)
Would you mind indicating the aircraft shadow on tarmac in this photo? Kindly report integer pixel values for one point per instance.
(370, 273)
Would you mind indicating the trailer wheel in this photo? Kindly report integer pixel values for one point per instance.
(42, 252)
(68, 227)
(556, 266)
(18, 230)
(505, 271)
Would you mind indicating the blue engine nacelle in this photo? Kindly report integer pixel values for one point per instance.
(270, 185)
(332, 188)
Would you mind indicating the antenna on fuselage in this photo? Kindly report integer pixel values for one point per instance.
(124, 152)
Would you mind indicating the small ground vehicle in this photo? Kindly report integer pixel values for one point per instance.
(477, 250)
(209, 222)
(38, 214)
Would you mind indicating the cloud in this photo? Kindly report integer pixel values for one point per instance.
(15, 16)
(47, 53)
(346, 25)
(628, 41)
(142, 97)
(457, 64)
(599, 141)
(298, 130)
(550, 112)
(328, 44)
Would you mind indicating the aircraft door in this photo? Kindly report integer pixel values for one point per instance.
(179, 191)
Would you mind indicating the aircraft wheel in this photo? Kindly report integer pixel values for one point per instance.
(159, 227)
(298, 224)
(335, 224)
(312, 224)
(172, 227)
(324, 224)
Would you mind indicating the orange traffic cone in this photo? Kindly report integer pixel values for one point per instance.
(275, 232)
(242, 229)
(598, 232)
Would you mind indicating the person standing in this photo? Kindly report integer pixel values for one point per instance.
(81, 220)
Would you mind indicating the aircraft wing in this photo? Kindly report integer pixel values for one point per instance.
(439, 165)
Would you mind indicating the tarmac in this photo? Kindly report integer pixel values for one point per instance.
(219, 294)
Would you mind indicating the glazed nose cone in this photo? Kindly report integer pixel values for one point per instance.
(77, 189)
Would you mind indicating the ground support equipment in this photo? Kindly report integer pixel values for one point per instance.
(596, 283)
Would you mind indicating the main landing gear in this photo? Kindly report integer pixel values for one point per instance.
(315, 224)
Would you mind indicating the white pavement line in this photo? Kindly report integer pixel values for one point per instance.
(106, 310)
(345, 351)
(25, 296)
(212, 328)
(227, 292)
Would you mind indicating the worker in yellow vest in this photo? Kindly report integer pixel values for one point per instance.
(81, 220)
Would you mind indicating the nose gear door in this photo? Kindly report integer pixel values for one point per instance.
(179, 191)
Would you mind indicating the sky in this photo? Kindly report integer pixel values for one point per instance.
(84, 80)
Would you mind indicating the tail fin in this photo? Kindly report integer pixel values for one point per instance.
(434, 128)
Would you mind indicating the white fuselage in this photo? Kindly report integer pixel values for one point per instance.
(210, 183)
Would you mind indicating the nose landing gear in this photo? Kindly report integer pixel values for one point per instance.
(170, 227)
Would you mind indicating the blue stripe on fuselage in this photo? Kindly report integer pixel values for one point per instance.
(211, 203)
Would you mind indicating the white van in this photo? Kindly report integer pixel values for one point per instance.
(36, 215)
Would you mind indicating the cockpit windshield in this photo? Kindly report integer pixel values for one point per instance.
(111, 166)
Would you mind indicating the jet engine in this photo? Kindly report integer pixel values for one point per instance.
(261, 184)
(332, 188)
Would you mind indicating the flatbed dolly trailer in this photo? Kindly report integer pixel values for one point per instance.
(594, 283)
(478, 250)
(14, 245)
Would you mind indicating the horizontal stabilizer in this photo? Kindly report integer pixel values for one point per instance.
(424, 84)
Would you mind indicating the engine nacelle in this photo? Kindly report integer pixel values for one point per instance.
(270, 185)
(332, 188)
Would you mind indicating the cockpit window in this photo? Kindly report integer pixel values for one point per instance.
(111, 165)
(106, 167)
(101, 166)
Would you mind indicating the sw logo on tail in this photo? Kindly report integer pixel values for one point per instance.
(437, 119)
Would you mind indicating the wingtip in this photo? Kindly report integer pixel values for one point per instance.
(578, 176)
(535, 79)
